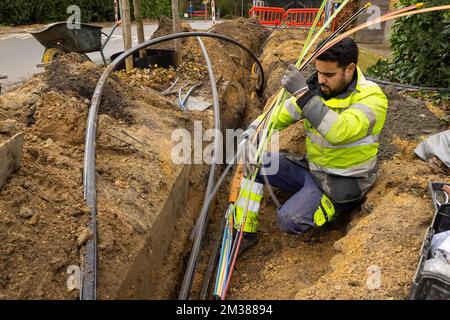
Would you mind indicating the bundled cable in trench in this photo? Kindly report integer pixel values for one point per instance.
(230, 252)
(225, 271)
(187, 281)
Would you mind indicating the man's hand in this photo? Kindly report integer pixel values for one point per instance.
(248, 153)
(248, 158)
(293, 80)
(249, 133)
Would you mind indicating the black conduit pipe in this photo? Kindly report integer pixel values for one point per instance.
(88, 289)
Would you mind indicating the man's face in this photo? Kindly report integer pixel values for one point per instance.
(333, 79)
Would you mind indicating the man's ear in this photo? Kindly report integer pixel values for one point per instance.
(350, 69)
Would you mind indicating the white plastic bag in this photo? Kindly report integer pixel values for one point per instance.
(444, 250)
(437, 265)
(438, 239)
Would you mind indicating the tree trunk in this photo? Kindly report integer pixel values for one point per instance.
(176, 28)
(139, 24)
(126, 29)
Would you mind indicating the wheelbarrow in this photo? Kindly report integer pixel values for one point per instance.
(57, 39)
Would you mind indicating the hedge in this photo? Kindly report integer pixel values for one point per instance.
(18, 12)
(421, 49)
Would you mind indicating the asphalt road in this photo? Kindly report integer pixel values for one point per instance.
(20, 52)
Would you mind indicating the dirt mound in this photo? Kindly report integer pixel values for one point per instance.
(165, 27)
(282, 48)
(41, 207)
(385, 239)
(42, 204)
(248, 32)
(73, 76)
(407, 119)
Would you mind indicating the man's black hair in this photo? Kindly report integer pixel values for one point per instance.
(344, 52)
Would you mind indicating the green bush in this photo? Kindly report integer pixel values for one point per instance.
(21, 11)
(155, 9)
(18, 12)
(421, 49)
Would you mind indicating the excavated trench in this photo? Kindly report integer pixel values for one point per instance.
(147, 205)
(157, 270)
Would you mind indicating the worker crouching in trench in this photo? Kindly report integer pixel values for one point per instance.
(343, 117)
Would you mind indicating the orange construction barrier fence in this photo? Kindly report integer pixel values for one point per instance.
(274, 16)
(301, 17)
(267, 15)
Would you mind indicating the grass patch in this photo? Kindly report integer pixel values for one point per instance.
(368, 58)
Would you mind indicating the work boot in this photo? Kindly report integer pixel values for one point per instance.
(249, 239)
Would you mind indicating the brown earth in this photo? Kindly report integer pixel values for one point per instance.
(407, 119)
(338, 261)
(42, 214)
(132, 129)
(43, 217)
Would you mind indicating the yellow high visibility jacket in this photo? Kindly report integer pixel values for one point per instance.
(343, 134)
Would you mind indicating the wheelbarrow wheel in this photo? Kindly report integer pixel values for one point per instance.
(50, 55)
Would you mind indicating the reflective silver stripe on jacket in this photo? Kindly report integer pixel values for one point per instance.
(368, 140)
(327, 122)
(319, 115)
(360, 170)
(368, 113)
(253, 206)
(292, 109)
(257, 188)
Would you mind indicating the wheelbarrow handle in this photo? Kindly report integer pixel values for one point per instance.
(108, 37)
(111, 33)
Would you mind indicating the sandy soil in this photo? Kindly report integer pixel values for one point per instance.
(42, 212)
(385, 235)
